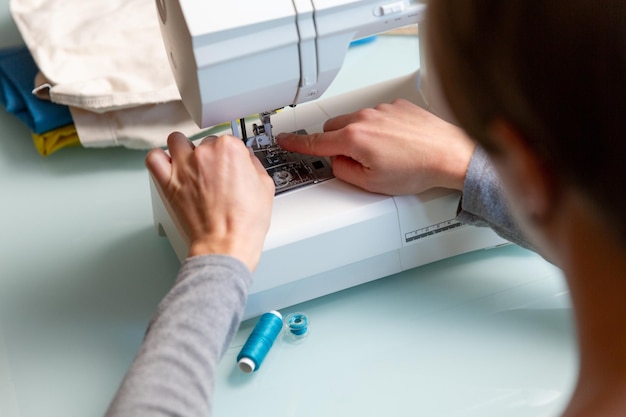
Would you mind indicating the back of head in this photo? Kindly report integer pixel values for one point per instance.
(555, 70)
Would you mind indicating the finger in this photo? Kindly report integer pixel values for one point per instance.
(319, 144)
(179, 146)
(209, 139)
(160, 166)
(339, 122)
(349, 170)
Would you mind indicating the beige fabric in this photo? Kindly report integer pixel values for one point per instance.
(141, 127)
(98, 55)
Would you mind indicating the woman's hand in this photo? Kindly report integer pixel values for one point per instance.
(396, 148)
(220, 193)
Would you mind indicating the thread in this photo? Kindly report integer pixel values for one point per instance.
(260, 341)
(297, 324)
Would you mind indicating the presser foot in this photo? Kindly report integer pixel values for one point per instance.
(289, 170)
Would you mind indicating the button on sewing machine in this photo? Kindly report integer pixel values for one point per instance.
(390, 8)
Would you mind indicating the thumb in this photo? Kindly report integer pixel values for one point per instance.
(351, 171)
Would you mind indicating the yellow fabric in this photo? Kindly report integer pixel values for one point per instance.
(53, 140)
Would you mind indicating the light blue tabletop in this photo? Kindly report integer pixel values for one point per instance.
(82, 270)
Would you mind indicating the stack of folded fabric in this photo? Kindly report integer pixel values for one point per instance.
(50, 123)
(93, 73)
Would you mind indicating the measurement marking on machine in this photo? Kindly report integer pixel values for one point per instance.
(432, 230)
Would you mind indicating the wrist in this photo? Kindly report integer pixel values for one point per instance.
(241, 250)
(456, 163)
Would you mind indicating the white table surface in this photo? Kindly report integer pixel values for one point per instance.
(82, 269)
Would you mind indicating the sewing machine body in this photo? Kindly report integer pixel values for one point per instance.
(327, 235)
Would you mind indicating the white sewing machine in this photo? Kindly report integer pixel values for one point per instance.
(246, 57)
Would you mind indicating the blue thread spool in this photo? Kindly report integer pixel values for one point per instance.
(260, 341)
(297, 324)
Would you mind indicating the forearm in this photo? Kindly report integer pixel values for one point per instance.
(483, 202)
(173, 372)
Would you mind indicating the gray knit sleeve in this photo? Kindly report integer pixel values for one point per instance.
(483, 202)
(173, 372)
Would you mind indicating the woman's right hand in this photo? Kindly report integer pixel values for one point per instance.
(396, 148)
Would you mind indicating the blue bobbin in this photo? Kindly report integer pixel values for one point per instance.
(297, 324)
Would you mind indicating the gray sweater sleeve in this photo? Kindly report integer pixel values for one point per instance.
(173, 372)
(483, 202)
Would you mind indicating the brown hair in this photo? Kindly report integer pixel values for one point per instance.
(555, 70)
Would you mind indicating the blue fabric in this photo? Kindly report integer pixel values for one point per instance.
(17, 75)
